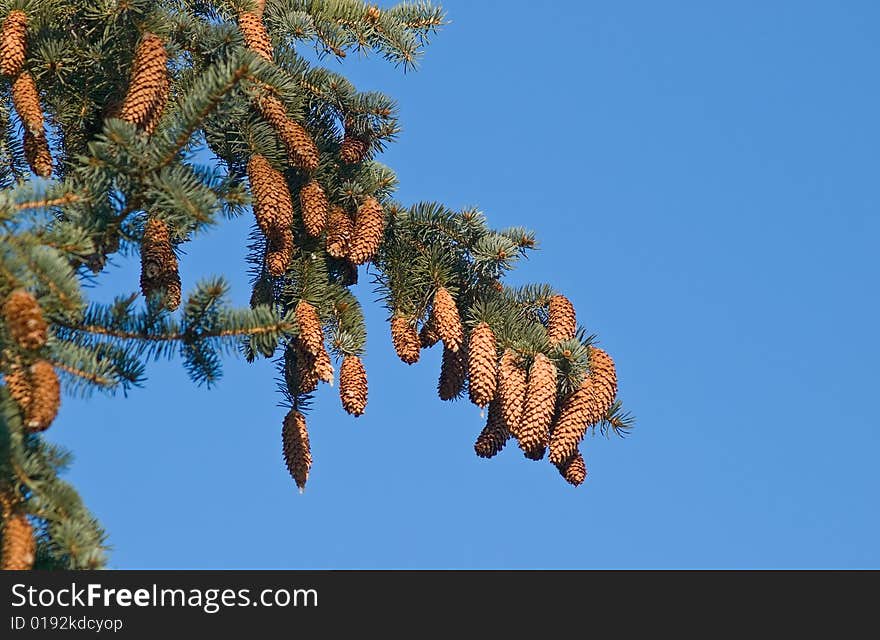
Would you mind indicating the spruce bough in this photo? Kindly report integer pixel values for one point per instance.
(109, 111)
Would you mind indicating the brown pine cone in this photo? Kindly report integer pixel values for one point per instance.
(26, 100)
(45, 397)
(37, 154)
(18, 383)
(353, 385)
(19, 543)
(314, 205)
(405, 339)
(279, 251)
(482, 365)
(272, 204)
(512, 385)
(159, 275)
(301, 149)
(539, 407)
(300, 370)
(311, 334)
(369, 226)
(154, 115)
(574, 470)
(13, 43)
(24, 320)
(324, 366)
(353, 149)
(339, 227)
(494, 435)
(428, 335)
(562, 322)
(447, 320)
(256, 38)
(452, 374)
(148, 83)
(295, 445)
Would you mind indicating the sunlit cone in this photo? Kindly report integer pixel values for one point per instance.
(300, 372)
(405, 339)
(255, 35)
(534, 432)
(24, 320)
(369, 225)
(428, 335)
(301, 149)
(353, 385)
(353, 149)
(574, 470)
(494, 435)
(26, 100)
(453, 372)
(295, 443)
(159, 275)
(37, 154)
(447, 320)
(373, 13)
(512, 386)
(603, 376)
(314, 205)
(482, 365)
(18, 384)
(562, 322)
(154, 115)
(13, 43)
(324, 366)
(148, 83)
(339, 227)
(272, 204)
(19, 544)
(279, 251)
(311, 335)
(45, 397)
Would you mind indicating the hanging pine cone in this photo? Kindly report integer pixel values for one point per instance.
(37, 154)
(562, 322)
(24, 320)
(447, 320)
(353, 149)
(272, 204)
(512, 386)
(314, 205)
(45, 397)
(539, 407)
(428, 335)
(13, 43)
(26, 100)
(482, 365)
(279, 251)
(256, 38)
(339, 228)
(18, 384)
(369, 226)
(301, 149)
(311, 335)
(159, 274)
(405, 339)
(353, 385)
(494, 435)
(452, 374)
(148, 82)
(154, 115)
(19, 544)
(574, 470)
(300, 372)
(324, 366)
(295, 443)
(603, 376)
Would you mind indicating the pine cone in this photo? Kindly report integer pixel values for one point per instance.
(574, 470)
(428, 335)
(323, 366)
(447, 320)
(353, 149)
(19, 544)
(37, 154)
(494, 435)
(26, 100)
(295, 443)
(603, 375)
(512, 385)
(353, 385)
(18, 384)
(339, 228)
(482, 365)
(314, 205)
(24, 320)
(301, 149)
(45, 397)
(300, 372)
(148, 83)
(539, 407)
(273, 207)
(279, 251)
(369, 226)
(256, 38)
(13, 43)
(405, 339)
(154, 115)
(452, 374)
(159, 274)
(562, 323)
(311, 335)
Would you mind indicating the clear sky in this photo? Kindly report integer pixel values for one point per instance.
(703, 178)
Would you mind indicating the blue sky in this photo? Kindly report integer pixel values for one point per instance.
(703, 181)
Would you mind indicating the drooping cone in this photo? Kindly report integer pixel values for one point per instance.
(26, 100)
(494, 435)
(447, 320)
(295, 443)
(279, 251)
(512, 386)
(13, 43)
(353, 385)
(19, 544)
(37, 154)
(405, 339)
(562, 322)
(428, 335)
(24, 320)
(353, 149)
(300, 371)
(18, 384)
(482, 365)
(339, 227)
(324, 366)
(452, 374)
(540, 403)
(301, 149)
(45, 397)
(159, 275)
(369, 225)
(273, 207)
(148, 83)
(158, 107)
(255, 35)
(603, 375)
(313, 202)
(311, 335)
(574, 470)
